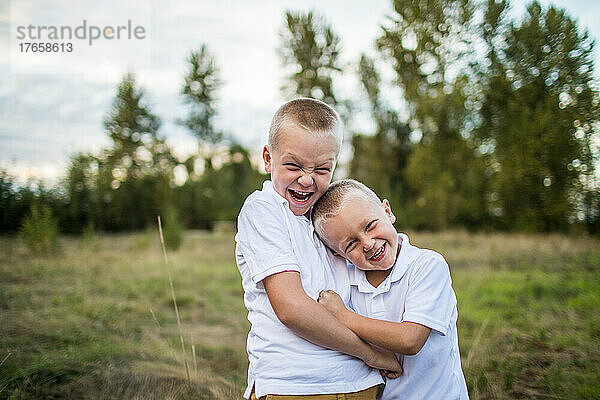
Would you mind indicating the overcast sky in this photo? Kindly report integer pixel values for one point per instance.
(52, 105)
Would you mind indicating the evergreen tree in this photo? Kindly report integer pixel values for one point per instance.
(134, 174)
(137, 148)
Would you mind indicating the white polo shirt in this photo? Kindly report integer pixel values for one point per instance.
(419, 289)
(271, 239)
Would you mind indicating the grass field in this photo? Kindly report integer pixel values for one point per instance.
(97, 320)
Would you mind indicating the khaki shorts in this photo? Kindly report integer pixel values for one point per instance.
(367, 394)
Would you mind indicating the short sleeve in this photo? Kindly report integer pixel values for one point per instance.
(430, 300)
(264, 241)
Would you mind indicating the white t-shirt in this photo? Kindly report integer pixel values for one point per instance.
(271, 239)
(419, 289)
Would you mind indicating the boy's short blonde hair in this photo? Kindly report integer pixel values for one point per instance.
(312, 115)
(334, 198)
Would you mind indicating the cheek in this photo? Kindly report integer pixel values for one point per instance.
(283, 174)
(323, 181)
(354, 258)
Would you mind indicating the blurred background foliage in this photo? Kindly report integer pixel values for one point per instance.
(487, 122)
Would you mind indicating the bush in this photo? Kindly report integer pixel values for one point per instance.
(172, 229)
(39, 231)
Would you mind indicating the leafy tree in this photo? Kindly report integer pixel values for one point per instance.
(538, 115)
(430, 44)
(310, 48)
(199, 91)
(80, 193)
(219, 193)
(12, 209)
(380, 160)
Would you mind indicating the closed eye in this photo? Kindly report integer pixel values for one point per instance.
(350, 246)
(370, 225)
(292, 166)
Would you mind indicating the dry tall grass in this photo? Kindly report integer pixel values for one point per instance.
(98, 321)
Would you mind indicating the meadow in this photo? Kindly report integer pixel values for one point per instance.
(96, 320)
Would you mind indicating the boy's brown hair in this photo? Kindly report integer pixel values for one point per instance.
(334, 198)
(312, 115)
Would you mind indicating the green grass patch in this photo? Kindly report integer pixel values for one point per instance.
(97, 321)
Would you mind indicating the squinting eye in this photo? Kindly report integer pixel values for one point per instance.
(370, 225)
(292, 167)
(323, 171)
(351, 246)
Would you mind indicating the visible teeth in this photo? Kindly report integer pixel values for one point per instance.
(300, 195)
(378, 253)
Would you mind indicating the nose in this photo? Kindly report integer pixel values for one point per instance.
(306, 180)
(368, 244)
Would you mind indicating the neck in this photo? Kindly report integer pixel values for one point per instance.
(376, 277)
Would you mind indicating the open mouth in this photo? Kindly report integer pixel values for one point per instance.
(378, 256)
(300, 197)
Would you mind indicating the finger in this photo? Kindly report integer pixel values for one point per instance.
(392, 374)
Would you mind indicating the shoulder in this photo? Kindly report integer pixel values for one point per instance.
(260, 204)
(430, 263)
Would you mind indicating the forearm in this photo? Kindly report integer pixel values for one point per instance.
(400, 337)
(311, 321)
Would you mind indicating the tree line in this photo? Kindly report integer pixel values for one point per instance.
(489, 122)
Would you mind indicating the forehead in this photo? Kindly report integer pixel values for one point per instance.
(355, 211)
(359, 205)
(299, 143)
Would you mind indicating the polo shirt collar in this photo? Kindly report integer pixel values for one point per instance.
(408, 252)
(268, 188)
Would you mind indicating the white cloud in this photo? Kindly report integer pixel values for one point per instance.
(53, 105)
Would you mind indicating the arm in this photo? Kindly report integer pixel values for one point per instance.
(400, 337)
(311, 321)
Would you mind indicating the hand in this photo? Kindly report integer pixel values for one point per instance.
(390, 374)
(386, 362)
(333, 303)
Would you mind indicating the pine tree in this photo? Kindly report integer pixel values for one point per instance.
(135, 173)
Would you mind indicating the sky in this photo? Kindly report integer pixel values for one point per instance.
(52, 105)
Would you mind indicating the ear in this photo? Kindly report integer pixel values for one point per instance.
(266, 155)
(388, 210)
